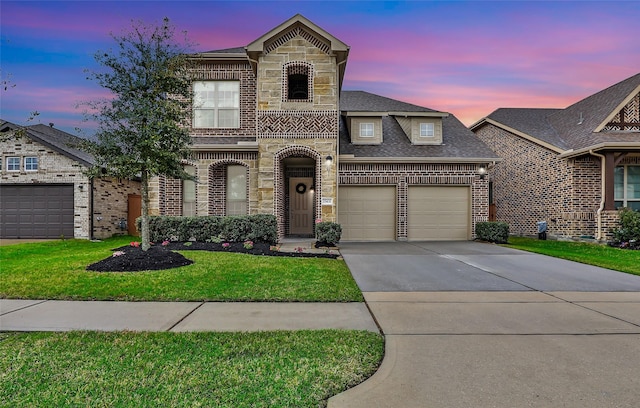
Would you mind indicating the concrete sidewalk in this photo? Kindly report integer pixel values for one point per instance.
(56, 315)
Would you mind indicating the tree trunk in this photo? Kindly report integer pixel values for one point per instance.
(144, 224)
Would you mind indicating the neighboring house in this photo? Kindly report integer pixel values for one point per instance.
(273, 133)
(571, 167)
(44, 193)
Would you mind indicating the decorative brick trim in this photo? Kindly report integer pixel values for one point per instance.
(298, 124)
(293, 32)
(297, 67)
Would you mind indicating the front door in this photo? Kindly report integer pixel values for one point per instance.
(300, 206)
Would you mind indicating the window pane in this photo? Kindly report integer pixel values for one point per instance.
(203, 118)
(633, 182)
(189, 193)
(13, 163)
(634, 205)
(366, 129)
(228, 118)
(236, 190)
(618, 183)
(426, 130)
(31, 163)
(228, 94)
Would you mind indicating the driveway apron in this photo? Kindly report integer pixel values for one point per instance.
(477, 325)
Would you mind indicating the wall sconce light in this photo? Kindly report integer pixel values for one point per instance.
(81, 187)
(482, 171)
(312, 188)
(329, 160)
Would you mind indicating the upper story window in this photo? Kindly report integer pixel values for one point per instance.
(366, 130)
(627, 187)
(216, 104)
(427, 130)
(13, 164)
(297, 81)
(31, 163)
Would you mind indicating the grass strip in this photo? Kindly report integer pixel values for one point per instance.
(127, 369)
(623, 260)
(56, 270)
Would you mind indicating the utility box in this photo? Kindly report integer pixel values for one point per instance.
(542, 230)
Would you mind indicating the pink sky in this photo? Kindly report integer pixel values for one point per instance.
(467, 58)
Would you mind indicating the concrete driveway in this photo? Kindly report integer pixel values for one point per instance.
(476, 325)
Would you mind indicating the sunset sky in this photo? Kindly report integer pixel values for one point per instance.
(463, 57)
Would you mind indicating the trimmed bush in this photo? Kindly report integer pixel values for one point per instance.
(329, 232)
(497, 232)
(259, 228)
(629, 230)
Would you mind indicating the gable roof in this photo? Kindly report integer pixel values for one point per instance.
(459, 143)
(576, 128)
(55, 139)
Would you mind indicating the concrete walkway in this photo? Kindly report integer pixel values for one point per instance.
(477, 325)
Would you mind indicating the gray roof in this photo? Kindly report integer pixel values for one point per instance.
(575, 126)
(458, 141)
(234, 50)
(57, 140)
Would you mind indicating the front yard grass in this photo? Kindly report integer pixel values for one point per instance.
(269, 369)
(56, 270)
(623, 260)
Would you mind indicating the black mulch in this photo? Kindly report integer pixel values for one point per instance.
(160, 257)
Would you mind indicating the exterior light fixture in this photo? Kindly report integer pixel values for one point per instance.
(482, 171)
(329, 160)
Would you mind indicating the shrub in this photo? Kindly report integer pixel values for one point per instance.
(629, 229)
(497, 232)
(329, 232)
(260, 228)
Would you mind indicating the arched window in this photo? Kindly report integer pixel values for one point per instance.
(298, 81)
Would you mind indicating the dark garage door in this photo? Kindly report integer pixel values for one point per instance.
(36, 211)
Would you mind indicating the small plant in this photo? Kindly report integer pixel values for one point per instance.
(135, 244)
(299, 250)
(497, 232)
(247, 244)
(165, 242)
(274, 248)
(118, 253)
(329, 232)
(226, 245)
(188, 243)
(627, 235)
(216, 239)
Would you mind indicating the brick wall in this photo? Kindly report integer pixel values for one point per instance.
(110, 205)
(533, 184)
(405, 175)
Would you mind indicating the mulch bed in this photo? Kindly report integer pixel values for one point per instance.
(159, 257)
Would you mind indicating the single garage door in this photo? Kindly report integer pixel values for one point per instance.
(367, 213)
(438, 213)
(36, 211)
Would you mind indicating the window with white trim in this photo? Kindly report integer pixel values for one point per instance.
(236, 190)
(427, 130)
(366, 130)
(31, 163)
(216, 104)
(189, 193)
(13, 164)
(627, 187)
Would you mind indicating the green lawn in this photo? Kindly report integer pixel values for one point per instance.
(56, 270)
(272, 369)
(623, 260)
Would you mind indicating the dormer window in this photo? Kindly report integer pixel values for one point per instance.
(427, 130)
(366, 130)
(298, 81)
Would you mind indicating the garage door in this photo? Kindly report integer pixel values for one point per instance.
(36, 211)
(438, 213)
(367, 213)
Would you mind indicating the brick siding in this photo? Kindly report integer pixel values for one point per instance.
(110, 205)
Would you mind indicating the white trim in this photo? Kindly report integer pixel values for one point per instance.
(366, 127)
(429, 127)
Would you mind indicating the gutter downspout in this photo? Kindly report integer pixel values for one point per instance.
(602, 188)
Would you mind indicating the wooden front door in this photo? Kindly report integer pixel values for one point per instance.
(300, 206)
(134, 211)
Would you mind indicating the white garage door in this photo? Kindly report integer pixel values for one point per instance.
(367, 213)
(438, 213)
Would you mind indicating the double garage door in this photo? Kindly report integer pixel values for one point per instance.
(36, 211)
(368, 213)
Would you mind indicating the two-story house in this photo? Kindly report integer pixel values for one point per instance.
(274, 133)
